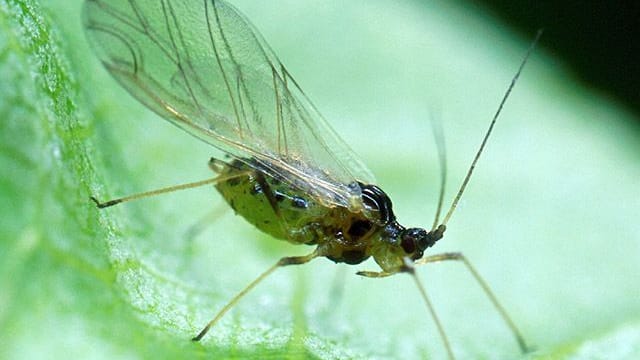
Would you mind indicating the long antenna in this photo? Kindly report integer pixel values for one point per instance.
(454, 204)
(438, 136)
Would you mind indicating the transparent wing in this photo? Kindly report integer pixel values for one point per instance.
(203, 66)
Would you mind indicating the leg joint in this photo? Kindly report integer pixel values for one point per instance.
(294, 260)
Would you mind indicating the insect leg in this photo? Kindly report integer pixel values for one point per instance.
(271, 198)
(217, 166)
(285, 261)
(268, 193)
(215, 180)
(205, 221)
(455, 256)
(375, 274)
(336, 289)
(408, 268)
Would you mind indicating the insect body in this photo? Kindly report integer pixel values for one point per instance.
(202, 66)
(341, 234)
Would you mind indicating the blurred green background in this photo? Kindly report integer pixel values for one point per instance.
(550, 218)
(597, 39)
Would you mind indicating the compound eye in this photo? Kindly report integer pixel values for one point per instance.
(408, 244)
(410, 239)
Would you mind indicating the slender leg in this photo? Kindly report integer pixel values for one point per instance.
(273, 202)
(410, 269)
(336, 290)
(199, 226)
(375, 274)
(215, 180)
(285, 261)
(503, 313)
(217, 166)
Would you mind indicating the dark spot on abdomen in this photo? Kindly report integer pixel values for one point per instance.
(256, 189)
(359, 229)
(299, 203)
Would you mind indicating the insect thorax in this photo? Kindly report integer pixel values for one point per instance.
(287, 213)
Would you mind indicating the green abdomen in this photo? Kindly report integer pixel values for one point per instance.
(290, 214)
(274, 207)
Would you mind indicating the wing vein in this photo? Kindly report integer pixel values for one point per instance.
(219, 61)
(179, 64)
(206, 69)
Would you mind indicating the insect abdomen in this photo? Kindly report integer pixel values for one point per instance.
(289, 214)
(271, 206)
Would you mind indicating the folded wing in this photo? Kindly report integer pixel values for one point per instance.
(205, 68)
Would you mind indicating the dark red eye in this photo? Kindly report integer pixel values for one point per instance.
(408, 243)
(411, 239)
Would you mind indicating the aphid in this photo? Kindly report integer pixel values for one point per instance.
(204, 67)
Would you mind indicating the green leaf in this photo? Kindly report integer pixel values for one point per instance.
(550, 216)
